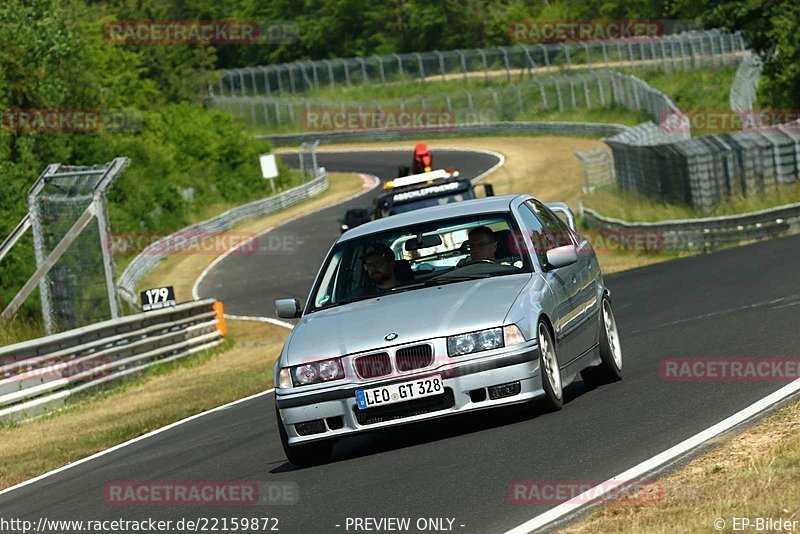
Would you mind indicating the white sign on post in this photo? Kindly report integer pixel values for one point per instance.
(269, 167)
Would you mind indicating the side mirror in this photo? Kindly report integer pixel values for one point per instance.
(288, 308)
(488, 189)
(562, 256)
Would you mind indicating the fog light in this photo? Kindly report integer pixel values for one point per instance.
(504, 390)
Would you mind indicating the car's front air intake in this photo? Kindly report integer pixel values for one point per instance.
(373, 365)
(371, 416)
(415, 357)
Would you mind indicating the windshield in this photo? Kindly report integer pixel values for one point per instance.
(417, 256)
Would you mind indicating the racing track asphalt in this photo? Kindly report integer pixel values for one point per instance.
(741, 302)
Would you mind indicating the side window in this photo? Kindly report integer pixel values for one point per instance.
(556, 232)
(533, 227)
(327, 284)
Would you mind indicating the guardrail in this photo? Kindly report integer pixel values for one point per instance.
(38, 375)
(152, 255)
(708, 233)
(487, 128)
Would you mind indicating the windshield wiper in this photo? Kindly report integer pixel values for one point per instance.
(441, 280)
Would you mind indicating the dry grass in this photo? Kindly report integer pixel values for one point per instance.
(20, 328)
(631, 206)
(753, 474)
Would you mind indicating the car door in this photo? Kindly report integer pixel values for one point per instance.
(589, 278)
(562, 281)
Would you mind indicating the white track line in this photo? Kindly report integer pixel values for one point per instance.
(659, 460)
(132, 441)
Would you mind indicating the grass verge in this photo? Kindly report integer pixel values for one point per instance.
(752, 474)
(632, 206)
(20, 329)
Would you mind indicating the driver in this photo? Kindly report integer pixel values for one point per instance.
(379, 261)
(482, 245)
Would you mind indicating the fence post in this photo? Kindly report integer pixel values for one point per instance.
(441, 64)
(485, 65)
(380, 65)
(421, 66)
(463, 64)
(399, 63)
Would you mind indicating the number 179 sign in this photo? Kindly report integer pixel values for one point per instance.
(157, 298)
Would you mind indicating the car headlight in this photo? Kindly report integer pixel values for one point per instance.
(311, 373)
(491, 338)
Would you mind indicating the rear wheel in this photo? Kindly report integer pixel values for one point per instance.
(314, 453)
(610, 368)
(548, 365)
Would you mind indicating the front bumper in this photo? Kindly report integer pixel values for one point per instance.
(332, 412)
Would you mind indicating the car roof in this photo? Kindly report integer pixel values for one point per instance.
(434, 213)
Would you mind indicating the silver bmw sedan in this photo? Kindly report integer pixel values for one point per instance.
(449, 309)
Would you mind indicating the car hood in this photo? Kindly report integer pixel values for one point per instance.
(414, 315)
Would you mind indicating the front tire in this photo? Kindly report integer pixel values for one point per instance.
(306, 455)
(548, 366)
(610, 368)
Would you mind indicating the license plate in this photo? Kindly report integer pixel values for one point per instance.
(416, 389)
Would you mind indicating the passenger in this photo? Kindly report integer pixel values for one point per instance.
(379, 262)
